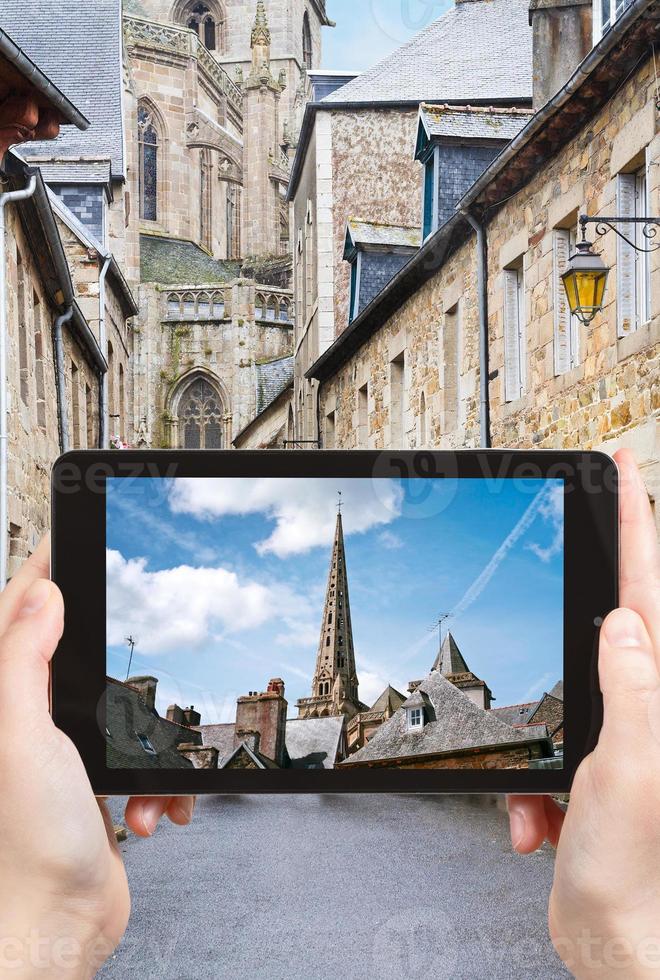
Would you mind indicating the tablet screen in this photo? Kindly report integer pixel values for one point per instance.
(334, 623)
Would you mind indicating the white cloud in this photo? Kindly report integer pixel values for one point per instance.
(372, 684)
(304, 511)
(180, 609)
(390, 540)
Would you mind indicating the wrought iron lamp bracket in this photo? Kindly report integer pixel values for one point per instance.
(604, 224)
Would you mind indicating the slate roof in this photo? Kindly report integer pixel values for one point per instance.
(78, 45)
(516, 714)
(220, 737)
(450, 659)
(314, 743)
(273, 378)
(173, 261)
(390, 699)
(557, 691)
(477, 51)
(376, 233)
(470, 122)
(454, 722)
(77, 172)
(20, 74)
(126, 715)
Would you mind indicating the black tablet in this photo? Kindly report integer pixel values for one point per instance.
(329, 622)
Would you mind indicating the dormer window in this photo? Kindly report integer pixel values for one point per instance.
(606, 13)
(145, 743)
(415, 719)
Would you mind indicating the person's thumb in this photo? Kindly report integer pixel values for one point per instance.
(26, 648)
(629, 677)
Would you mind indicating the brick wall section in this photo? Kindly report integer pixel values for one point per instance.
(459, 167)
(506, 758)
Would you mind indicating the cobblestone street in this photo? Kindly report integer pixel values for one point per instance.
(318, 887)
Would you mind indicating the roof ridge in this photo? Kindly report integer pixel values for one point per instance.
(500, 110)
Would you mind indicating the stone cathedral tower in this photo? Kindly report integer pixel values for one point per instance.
(335, 684)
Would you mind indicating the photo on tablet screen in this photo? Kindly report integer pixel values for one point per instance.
(334, 624)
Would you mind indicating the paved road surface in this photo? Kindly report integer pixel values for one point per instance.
(281, 888)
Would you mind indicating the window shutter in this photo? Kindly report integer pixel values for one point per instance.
(561, 250)
(511, 336)
(625, 260)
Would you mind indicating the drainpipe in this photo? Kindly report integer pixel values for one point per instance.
(10, 197)
(482, 288)
(103, 344)
(60, 379)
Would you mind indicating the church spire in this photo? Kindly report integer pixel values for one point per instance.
(335, 683)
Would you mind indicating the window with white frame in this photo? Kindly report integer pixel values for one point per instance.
(633, 266)
(605, 15)
(514, 332)
(415, 718)
(566, 325)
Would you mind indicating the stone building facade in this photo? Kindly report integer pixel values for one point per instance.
(406, 372)
(355, 159)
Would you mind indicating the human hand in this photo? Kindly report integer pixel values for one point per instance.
(604, 913)
(64, 900)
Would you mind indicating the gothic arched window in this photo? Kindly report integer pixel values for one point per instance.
(201, 415)
(307, 42)
(206, 20)
(149, 148)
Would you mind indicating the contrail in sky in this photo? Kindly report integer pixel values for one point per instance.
(486, 575)
(509, 542)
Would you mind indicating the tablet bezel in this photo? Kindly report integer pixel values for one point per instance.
(78, 671)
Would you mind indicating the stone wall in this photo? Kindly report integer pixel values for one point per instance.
(374, 179)
(33, 416)
(612, 397)
(432, 340)
(171, 352)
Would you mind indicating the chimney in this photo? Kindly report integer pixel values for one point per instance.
(175, 714)
(561, 39)
(265, 716)
(251, 739)
(191, 718)
(146, 688)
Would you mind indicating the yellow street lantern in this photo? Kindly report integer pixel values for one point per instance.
(585, 280)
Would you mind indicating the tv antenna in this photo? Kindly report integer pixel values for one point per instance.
(437, 625)
(131, 642)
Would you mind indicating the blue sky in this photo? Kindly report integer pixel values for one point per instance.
(222, 582)
(369, 30)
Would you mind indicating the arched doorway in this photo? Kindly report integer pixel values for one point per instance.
(201, 419)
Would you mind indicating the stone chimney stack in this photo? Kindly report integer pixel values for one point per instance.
(561, 39)
(263, 715)
(146, 688)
